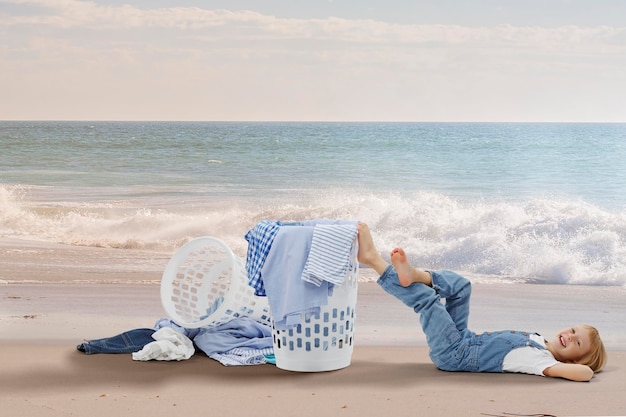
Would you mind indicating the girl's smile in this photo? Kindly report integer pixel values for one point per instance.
(569, 345)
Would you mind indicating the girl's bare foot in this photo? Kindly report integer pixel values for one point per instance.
(368, 255)
(408, 275)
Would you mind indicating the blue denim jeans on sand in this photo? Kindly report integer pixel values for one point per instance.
(127, 342)
(453, 347)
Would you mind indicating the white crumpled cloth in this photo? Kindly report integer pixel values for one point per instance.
(168, 345)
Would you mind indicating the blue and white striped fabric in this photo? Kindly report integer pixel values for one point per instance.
(239, 356)
(330, 257)
(260, 239)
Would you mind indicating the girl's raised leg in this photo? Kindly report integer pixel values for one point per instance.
(368, 255)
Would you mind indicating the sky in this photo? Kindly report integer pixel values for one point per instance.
(314, 60)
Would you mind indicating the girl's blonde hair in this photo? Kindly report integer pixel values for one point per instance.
(596, 357)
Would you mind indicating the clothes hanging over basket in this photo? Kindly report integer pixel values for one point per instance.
(260, 239)
(330, 254)
(300, 266)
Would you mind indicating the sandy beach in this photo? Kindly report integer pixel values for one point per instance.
(54, 296)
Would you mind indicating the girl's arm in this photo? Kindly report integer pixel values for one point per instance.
(572, 371)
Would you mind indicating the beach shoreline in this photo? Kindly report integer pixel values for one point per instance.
(116, 289)
(54, 296)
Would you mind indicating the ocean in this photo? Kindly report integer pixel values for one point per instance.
(504, 202)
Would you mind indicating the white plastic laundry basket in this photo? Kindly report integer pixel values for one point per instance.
(323, 342)
(205, 284)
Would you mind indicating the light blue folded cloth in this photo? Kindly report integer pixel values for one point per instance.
(287, 294)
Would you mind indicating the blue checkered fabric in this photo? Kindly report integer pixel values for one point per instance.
(260, 239)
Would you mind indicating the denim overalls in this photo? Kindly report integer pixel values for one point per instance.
(452, 346)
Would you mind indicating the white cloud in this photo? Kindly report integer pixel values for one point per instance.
(254, 25)
(246, 65)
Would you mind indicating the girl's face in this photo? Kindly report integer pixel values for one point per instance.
(570, 345)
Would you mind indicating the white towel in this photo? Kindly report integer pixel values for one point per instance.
(168, 345)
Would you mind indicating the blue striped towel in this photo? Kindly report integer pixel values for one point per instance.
(331, 254)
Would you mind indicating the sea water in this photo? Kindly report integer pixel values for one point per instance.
(504, 202)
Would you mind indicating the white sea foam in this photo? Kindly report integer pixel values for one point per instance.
(540, 241)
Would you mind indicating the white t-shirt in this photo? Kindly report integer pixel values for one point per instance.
(529, 359)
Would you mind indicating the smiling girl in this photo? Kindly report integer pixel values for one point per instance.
(574, 353)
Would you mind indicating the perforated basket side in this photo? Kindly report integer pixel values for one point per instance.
(205, 284)
(196, 280)
(324, 341)
(241, 301)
